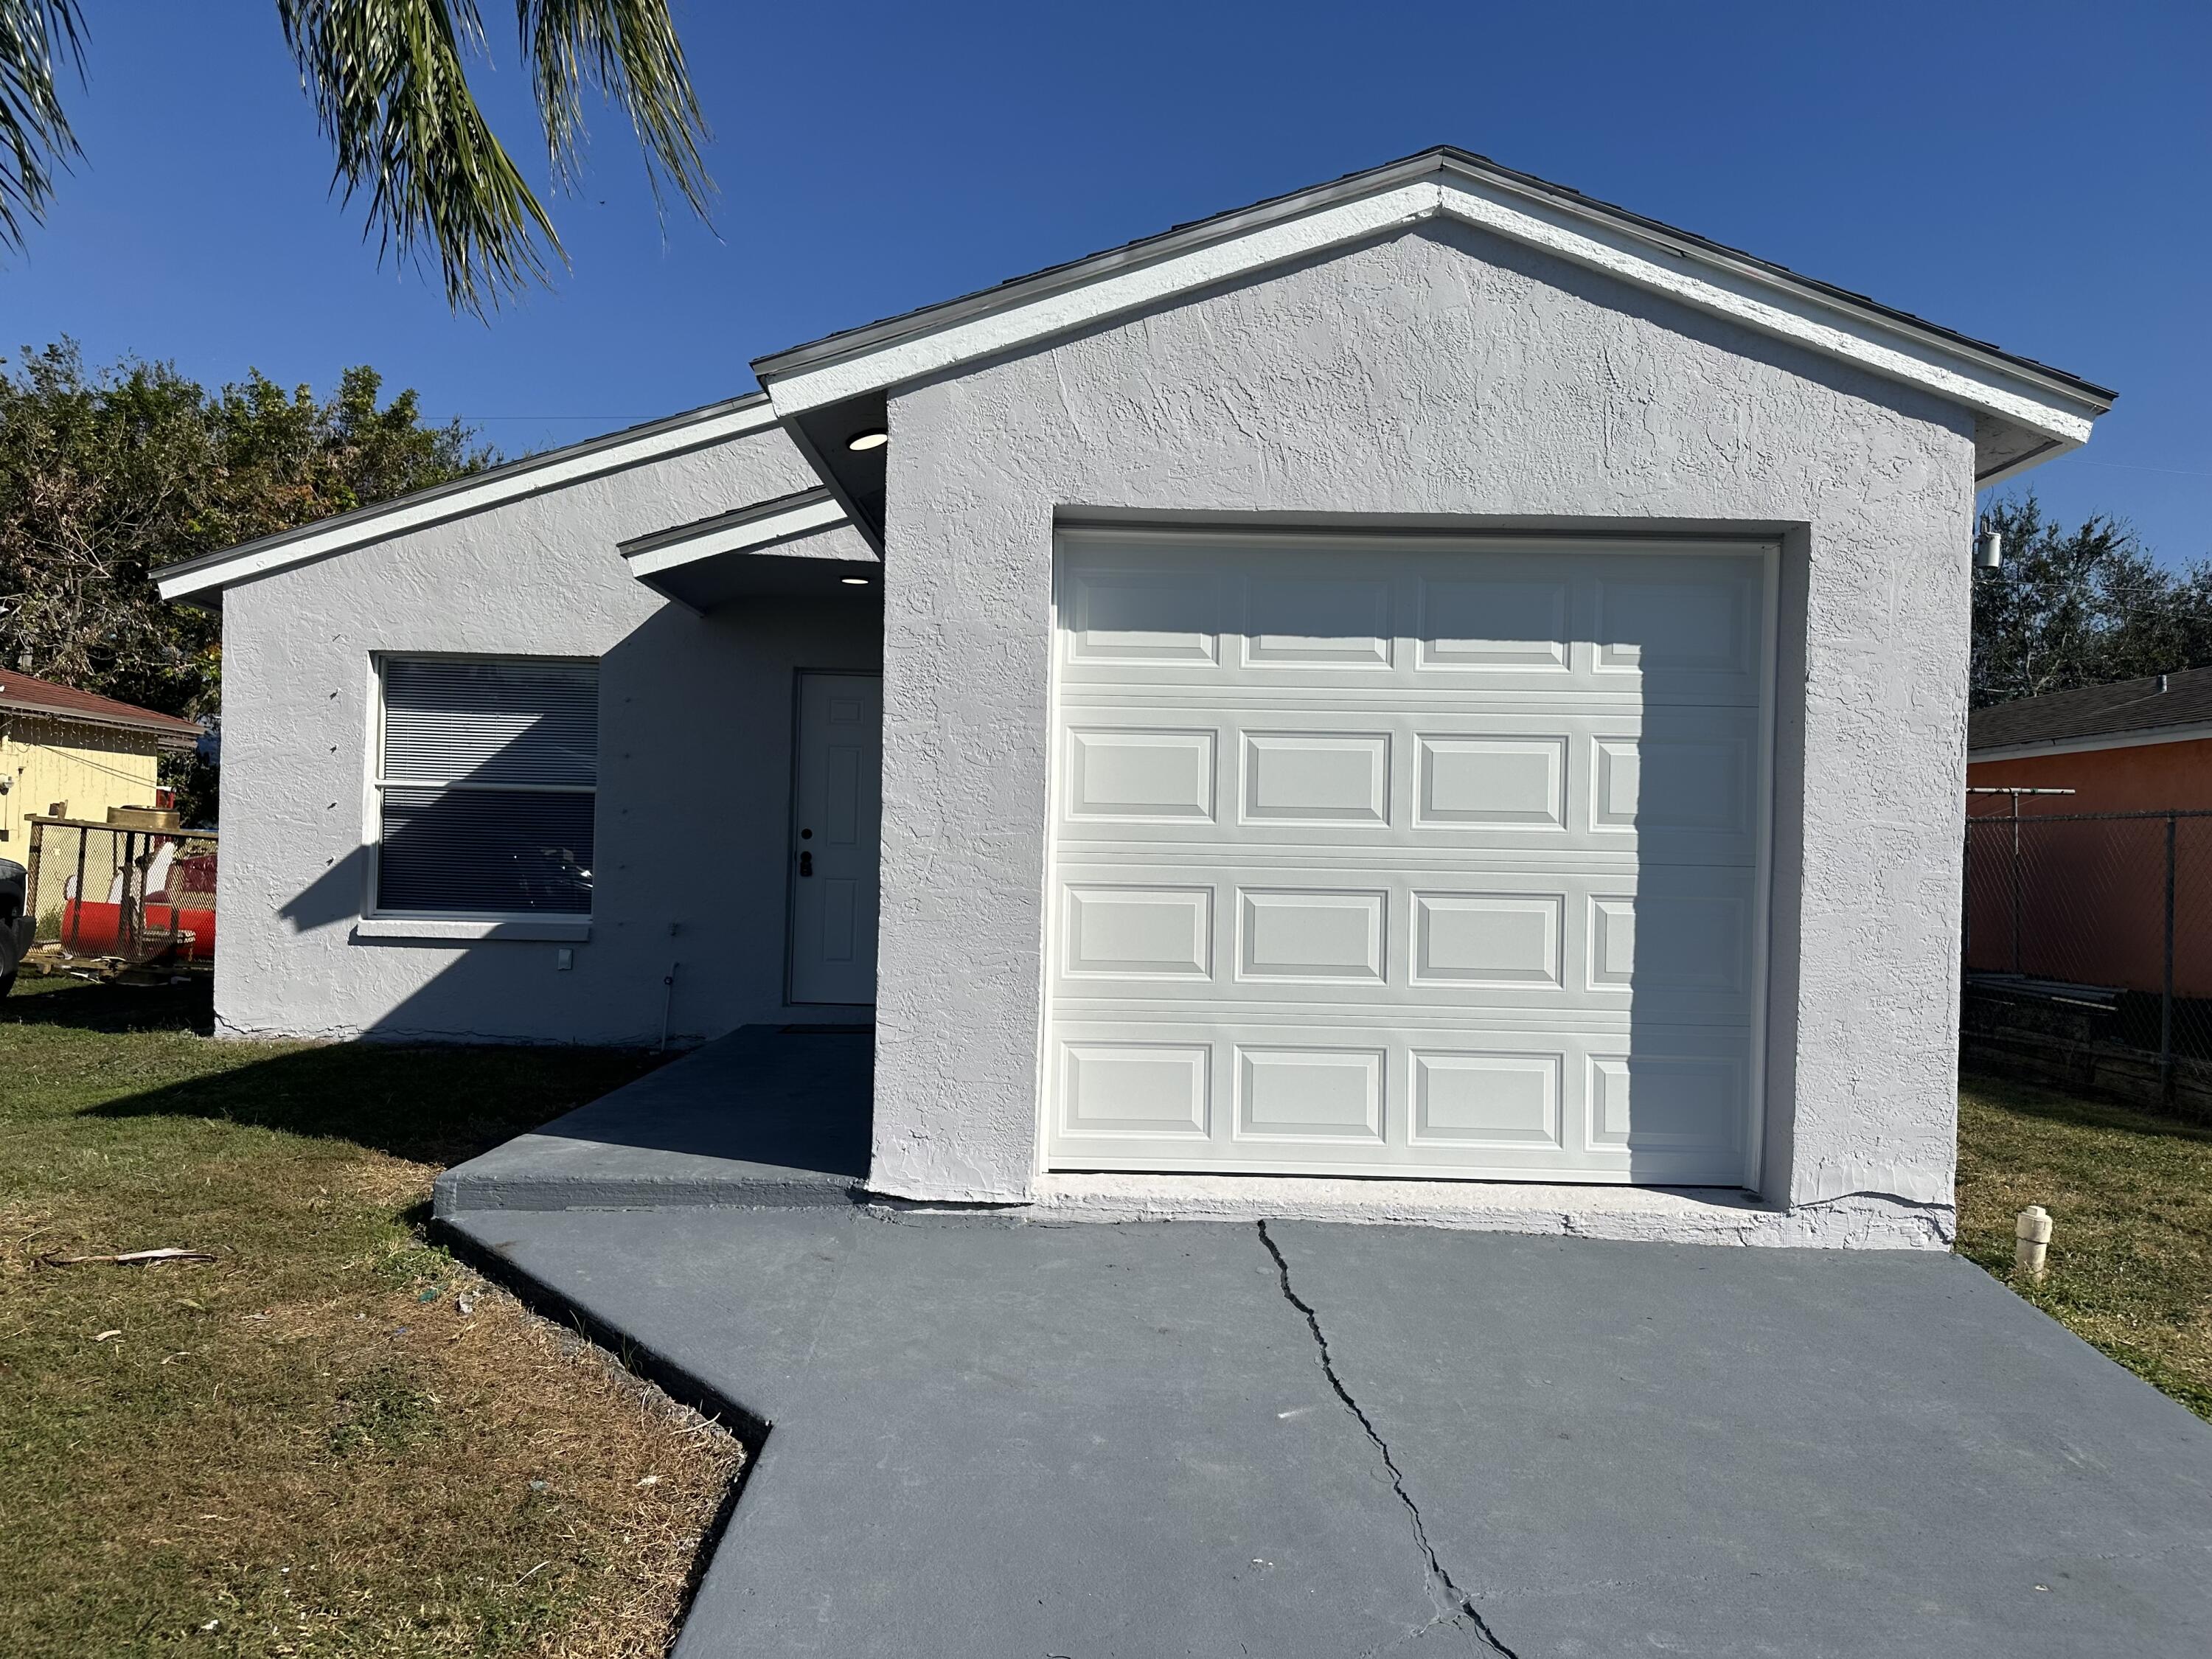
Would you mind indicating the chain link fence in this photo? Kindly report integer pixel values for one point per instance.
(121, 896)
(2087, 950)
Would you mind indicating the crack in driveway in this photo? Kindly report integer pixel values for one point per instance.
(1438, 1575)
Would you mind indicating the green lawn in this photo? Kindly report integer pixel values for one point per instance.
(306, 1446)
(2130, 1199)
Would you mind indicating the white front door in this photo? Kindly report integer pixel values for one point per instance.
(1401, 855)
(837, 797)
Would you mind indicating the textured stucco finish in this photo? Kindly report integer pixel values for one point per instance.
(1449, 377)
(694, 741)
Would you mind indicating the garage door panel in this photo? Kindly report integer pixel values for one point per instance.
(1304, 1092)
(1301, 780)
(1387, 857)
(1335, 621)
(1657, 628)
(1668, 786)
(1122, 775)
(1161, 613)
(1320, 937)
(1463, 1100)
(1514, 619)
(1506, 1103)
(1490, 781)
(1676, 943)
(1154, 1091)
(1122, 931)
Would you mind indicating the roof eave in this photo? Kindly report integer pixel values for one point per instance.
(2058, 406)
(158, 729)
(200, 581)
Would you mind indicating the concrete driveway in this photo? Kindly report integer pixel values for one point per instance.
(996, 1438)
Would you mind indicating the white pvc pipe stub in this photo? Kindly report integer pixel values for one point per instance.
(2031, 1246)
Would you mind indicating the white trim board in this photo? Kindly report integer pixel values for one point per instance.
(696, 430)
(573, 930)
(734, 532)
(1736, 289)
(2162, 734)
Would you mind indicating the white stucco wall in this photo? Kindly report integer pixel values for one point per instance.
(1451, 377)
(695, 766)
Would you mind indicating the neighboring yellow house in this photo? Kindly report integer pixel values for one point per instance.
(66, 753)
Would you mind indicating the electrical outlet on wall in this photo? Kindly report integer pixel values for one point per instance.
(563, 960)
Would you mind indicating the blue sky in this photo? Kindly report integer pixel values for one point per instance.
(2034, 174)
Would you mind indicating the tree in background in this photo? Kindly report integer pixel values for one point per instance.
(2078, 607)
(389, 82)
(107, 477)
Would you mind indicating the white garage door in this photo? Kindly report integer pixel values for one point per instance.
(1400, 856)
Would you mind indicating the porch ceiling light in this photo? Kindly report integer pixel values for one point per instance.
(872, 437)
(854, 581)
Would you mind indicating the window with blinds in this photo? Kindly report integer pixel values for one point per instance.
(487, 773)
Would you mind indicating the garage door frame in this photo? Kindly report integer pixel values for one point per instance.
(1153, 537)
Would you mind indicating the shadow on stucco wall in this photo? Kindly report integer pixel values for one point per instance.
(687, 856)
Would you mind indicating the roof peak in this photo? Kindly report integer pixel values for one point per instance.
(1563, 220)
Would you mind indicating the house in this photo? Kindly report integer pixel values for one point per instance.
(1431, 676)
(2080, 896)
(2132, 746)
(66, 753)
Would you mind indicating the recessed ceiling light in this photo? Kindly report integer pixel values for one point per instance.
(874, 438)
(854, 581)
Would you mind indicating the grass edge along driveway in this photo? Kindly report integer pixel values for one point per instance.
(2130, 1198)
(333, 1439)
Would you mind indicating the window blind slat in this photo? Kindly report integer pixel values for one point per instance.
(491, 722)
(482, 851)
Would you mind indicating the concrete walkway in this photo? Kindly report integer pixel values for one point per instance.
(768, 1115)
(996, 1438)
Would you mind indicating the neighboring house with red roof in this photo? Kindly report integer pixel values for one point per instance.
(2084, 900)
(2139, 745)
(68, 750)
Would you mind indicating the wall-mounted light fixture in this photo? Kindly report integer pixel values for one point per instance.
(1989, 550)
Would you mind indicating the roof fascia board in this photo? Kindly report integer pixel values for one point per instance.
(736, 532)
(699, 429)
(1059, 308)
(2193, 732)
(108, 722)
(811, 452)
(1743, 293)
(1002, 320)
(2026, 463)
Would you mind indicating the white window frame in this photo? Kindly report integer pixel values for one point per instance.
(377, 922)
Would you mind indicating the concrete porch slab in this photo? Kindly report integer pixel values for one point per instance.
(782, 1114)
(768, 1115)
(990, 1436)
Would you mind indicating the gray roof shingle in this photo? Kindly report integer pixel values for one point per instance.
(2122, 709)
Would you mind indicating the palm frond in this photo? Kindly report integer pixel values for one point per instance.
(628, 50)
(37, 39)
(391, 92)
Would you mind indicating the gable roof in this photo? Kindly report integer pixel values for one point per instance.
(2033, 410)
(2125, 709)
(25, 694)
(593, 457)
(2025, 411)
